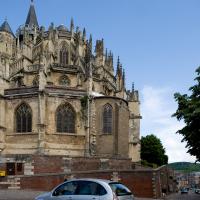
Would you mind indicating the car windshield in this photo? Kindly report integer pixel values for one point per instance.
(120, 189)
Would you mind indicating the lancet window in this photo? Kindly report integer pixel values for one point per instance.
(65, 119)
(64, 56)
(23, 117)
(107, 118)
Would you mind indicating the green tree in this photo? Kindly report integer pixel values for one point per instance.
(189, 111)
(153, 151)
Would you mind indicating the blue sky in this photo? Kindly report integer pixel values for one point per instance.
(158, 42)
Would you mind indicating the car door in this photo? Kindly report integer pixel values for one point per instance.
(86, 190)
(66, 191)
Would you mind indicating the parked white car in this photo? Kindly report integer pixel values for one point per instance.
(88, 189)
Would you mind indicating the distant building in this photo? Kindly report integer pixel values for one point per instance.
(58, 98)
(188, 179)
(194, 179)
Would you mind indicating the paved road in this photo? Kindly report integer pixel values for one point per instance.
(29, 195)
(189, 196)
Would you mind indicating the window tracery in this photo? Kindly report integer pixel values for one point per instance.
(65, 119)
(64, 55)
(107, 119)
(23, 117)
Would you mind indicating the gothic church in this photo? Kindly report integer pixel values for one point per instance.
(59, 97)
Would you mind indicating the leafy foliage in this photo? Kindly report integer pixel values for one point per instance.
(189, 111)
(153, 151)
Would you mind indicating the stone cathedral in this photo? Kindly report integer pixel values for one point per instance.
(61, 97)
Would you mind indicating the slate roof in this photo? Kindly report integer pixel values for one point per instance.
(31, 19)
(6, 28)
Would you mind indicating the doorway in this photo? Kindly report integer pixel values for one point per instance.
(10, 168)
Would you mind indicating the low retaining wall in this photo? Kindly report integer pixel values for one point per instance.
(43, 173)
(141, 183)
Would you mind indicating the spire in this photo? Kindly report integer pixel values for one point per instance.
(84, 34)
(123, 78)
(5, 27)
(31, 19)
(118, 65)
(106, 54)
(90, 40)
(133, 87)
(72, 25)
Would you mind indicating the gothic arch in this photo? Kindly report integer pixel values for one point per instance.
(65, 119)
(107, 118)
(64, 54)
(23, 118)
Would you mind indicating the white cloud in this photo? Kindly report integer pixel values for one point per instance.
(157, 106)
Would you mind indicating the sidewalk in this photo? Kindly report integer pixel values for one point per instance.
(18, 194)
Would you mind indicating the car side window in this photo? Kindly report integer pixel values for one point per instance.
(90, 188)
(68, 188)
(120, 189)
(101, 190)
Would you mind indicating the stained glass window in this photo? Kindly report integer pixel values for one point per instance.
(23, 119)
(65, 119)
(107, 119)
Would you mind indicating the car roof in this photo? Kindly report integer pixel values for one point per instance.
(92, 179)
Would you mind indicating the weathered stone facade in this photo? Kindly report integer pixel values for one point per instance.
(43, 72)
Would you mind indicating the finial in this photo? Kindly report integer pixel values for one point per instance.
(31, 2)
(72, 25)
(84, 33)
(118, 62)
(121, 67)
(90, 40)
(133, 87)
(123, 77)
(6, 19)
(102, 44)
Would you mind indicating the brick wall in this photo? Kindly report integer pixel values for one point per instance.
(59, 164)
(47, 164)
(45, 172)
(139, 182)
